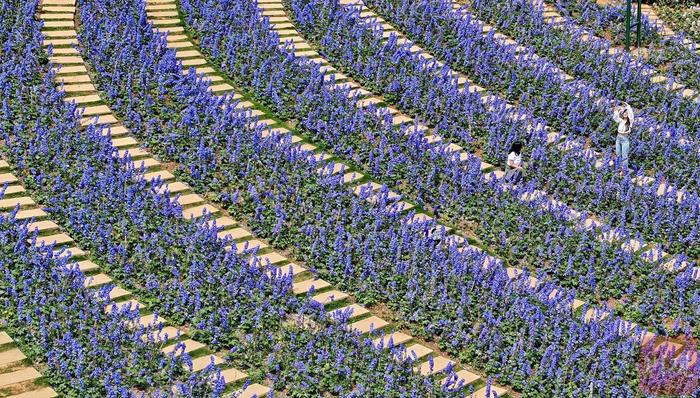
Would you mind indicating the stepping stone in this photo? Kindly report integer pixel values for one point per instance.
(305, 286)
(180, 44)
(177, 349)
(355, 310)
(5, 338)
(166, 334)
(368, 325)
(42, 226)
(79, 88)
(96, 110)
(235, 234)
(63, 33)
(286, 270)
(64, 51)
(222, 221)
(196, 212)
(398, 120)
(73, 79)
(85, 99)
(576, 304)
(18, 376)
(491, 393)
(463, 378)
(352, 177)
(271, 6)
(440, 363)
(232, 375)
(58, 24)
(116, 307)
(250, 246)
(7, 178)
(57, 239)
(170, 29)
(117, 293)
(674, 265)
(392, 339)
(58, 2)
(161, 14)
(87, 266)
(263, 260)
(188, 54)
(59, 9)
(97, 280)
(330, 297)
(66, 60)
(163, 22)
(595, 314)
(116, 130)
(56, 16)
(70, 252)
(178, 37)
(32, 213)
(46, 392)
(150, 320)
(201, 363)
(124, 142)
(274, 13)
(335, 169)
(190, 199)
(98, 120)
(11, 356)
(417, 351)
(147, 163)
(60, 42)
(253, 390)
(193, 62)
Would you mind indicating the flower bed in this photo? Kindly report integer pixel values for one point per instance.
(306, 212)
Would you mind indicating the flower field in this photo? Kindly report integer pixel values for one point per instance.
(307, 198)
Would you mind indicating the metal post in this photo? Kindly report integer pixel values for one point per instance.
(639, 23)
(628, 21)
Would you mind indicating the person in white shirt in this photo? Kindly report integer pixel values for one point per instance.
(623, 115)
(514, 165)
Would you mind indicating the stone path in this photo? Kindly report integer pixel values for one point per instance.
(17, 378)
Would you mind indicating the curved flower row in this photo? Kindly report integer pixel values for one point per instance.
(593, 187)
(174, 263)
(539, 247)
(302, 215)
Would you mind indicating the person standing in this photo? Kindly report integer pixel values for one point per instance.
(623, 115)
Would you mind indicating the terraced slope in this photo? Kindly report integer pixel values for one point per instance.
(365, 322)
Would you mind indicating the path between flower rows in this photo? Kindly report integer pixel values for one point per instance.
(17, 378)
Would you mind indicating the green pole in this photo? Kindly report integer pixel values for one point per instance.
(627, 24)
(639, 23)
